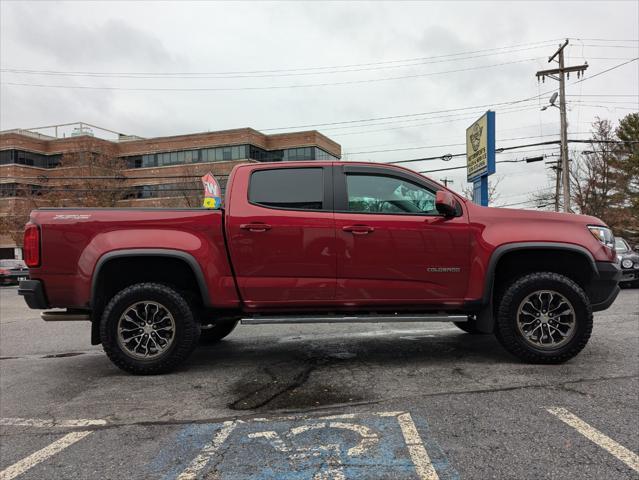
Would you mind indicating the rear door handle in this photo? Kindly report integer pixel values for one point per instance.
(358, 229)
(255, 227)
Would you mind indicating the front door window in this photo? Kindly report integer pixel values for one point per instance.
(384, 194)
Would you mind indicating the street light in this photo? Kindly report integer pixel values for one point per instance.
(552, 102)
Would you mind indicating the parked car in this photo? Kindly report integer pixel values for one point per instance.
(12, 271)
(629, 261)
(320, 242)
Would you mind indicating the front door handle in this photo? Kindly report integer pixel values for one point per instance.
(358, 229)
(255, 227)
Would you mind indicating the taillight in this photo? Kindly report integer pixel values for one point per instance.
(32, 245)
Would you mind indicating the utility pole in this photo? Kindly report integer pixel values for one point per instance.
(446, 181)
(560, 74)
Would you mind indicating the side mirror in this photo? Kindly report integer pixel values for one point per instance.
(445, 203)
(637, 248)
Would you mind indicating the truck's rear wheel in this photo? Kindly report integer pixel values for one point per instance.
(214, 332)
(148, 328)
(544, 317)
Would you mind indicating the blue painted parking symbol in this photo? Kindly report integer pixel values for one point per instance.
(375, 446)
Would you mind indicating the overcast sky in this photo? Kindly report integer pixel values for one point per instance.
(295, 64)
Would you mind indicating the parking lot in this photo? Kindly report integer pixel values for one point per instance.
(402, 401)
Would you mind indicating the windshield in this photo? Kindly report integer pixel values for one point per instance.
(621, 245)
(11, 263)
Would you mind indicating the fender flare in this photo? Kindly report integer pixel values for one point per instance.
(145, 252)
(485, 320)
(153, 252)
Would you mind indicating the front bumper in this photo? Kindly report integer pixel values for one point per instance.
(629, 275)
(33, 293)
(604, 288)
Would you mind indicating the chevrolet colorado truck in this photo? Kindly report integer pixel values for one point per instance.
(320, 242)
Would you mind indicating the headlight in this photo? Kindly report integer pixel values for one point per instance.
(603, 234)
(627, 263)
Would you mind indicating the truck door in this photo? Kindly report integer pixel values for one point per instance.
(393, 246)
(281, 234)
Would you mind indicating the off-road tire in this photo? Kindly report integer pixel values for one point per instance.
(469, 326)
(513, 341)
(187, 328)
(217, 331)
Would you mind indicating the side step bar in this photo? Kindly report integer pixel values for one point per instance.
(64, 316)
(425, 317)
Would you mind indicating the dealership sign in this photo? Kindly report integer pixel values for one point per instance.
(480, 155)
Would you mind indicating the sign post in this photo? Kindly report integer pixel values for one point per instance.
(480, 155)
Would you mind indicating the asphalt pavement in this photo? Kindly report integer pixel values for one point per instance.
(359, 401)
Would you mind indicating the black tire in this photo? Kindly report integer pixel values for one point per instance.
(186, 334)
(506, 322)
(469, 326)
(215, 332)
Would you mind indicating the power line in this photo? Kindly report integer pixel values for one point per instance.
(406, 115)
(120, 178)
(453, 118)
(604, 39)
(457, 144)
(605, 71)
(270, 87)
(416, 125)
(196, 76)
(540, 44)
(44, 178)
(605, 95)
(582, 104)
(513, 147)
(608, 46)
(490, 105)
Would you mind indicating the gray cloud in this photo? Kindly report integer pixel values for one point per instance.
(242, 36)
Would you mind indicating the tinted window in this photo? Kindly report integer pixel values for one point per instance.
(300, 188)
(382, 194)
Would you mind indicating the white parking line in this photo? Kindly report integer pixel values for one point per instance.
(207, 452)
(622, 453)
(39, 423)
(416, 448)
(32, 460)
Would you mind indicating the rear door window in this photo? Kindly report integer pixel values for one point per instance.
(288, 188)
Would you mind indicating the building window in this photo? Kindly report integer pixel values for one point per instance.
(31, 159)
(134, 161)
(229, 153)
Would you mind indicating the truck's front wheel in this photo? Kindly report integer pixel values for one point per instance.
(544, 317)
(148, 328)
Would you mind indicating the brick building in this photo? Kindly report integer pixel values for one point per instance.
(155, 172)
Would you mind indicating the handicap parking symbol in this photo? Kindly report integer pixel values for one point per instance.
(378, 445)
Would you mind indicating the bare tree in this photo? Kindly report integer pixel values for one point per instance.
(593, 176)
(12, 224)
(91, 158)
(493, 194)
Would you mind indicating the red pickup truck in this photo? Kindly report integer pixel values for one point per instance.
(306, 242)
